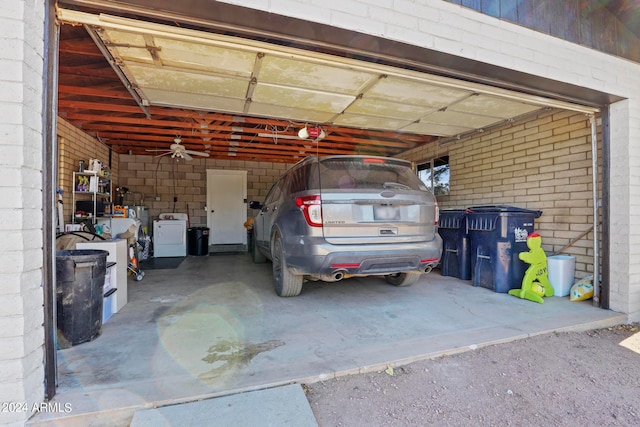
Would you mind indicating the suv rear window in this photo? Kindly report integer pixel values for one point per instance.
(366, 173)
(302, 177)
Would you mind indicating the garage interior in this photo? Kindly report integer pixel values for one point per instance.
(128, 85)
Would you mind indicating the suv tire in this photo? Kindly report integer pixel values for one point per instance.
(285, 283)
(403, 279)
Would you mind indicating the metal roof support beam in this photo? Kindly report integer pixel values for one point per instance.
(596, 242)
(125, 81)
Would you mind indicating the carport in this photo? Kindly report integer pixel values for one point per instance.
(386, 96)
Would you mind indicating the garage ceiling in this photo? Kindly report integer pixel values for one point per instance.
(245, 99)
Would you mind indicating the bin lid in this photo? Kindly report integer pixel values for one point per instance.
(451, 218)
(503, 208)
(79, 253)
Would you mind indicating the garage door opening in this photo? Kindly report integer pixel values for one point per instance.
(159, 62)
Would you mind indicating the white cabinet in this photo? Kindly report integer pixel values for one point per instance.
(118, 253)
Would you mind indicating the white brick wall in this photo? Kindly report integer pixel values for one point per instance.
(463, 32)
(21, 296)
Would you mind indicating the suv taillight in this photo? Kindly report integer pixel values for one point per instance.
(436, 212)
(311, 209)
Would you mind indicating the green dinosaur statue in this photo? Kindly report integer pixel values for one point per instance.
(535, 283)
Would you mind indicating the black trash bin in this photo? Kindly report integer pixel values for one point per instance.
(498, 234)
(456, 245)
(198, 240)
(80, 278)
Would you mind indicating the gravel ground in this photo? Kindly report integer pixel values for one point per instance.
(559, 379)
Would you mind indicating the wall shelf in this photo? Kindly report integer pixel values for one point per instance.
(93, 188)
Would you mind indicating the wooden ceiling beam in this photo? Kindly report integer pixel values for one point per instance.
(328, 128)
(180, 125)
(71, 72)
(80, 46)
(134, 134)
(154, 142)
(249, 158)
(274, 150)
(149, 141)
(210, 118)
(93, 91)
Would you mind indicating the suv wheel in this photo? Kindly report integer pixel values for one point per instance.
(257, 256)
(285, 283)
(403, 279)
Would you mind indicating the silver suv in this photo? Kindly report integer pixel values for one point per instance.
(331, 218)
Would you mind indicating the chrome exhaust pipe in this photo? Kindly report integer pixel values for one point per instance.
(428, 269)
(338, 275)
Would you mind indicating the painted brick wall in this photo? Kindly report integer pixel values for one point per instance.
(459, 31)
(75, 145)
(149, 178)
(625, 205)
(541, 164)
(21, 296)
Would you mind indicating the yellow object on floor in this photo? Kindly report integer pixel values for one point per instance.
(582, 290)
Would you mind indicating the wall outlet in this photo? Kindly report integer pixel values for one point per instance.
(157, 198)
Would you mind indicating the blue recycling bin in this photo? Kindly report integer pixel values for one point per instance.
(498, 234)
(456, 244)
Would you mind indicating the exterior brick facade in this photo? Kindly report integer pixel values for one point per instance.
(21, 296)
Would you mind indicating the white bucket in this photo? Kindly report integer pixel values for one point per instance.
(561, 270)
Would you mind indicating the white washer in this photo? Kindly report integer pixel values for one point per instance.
(170, 235)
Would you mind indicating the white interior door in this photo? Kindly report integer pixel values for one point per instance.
(226, 206)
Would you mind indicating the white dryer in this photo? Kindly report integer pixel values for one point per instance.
(170, 235)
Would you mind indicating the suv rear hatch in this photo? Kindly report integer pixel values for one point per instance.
(372, 200)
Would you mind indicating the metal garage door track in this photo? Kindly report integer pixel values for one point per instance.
(214, 327)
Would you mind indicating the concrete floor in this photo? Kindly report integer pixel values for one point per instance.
(214, 327)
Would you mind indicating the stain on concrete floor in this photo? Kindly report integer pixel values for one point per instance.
(226, 355)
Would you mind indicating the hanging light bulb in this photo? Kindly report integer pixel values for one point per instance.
(303, 133)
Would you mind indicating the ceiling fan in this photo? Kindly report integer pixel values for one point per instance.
(178, 151)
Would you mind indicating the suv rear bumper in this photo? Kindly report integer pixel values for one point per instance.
(324, 259)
